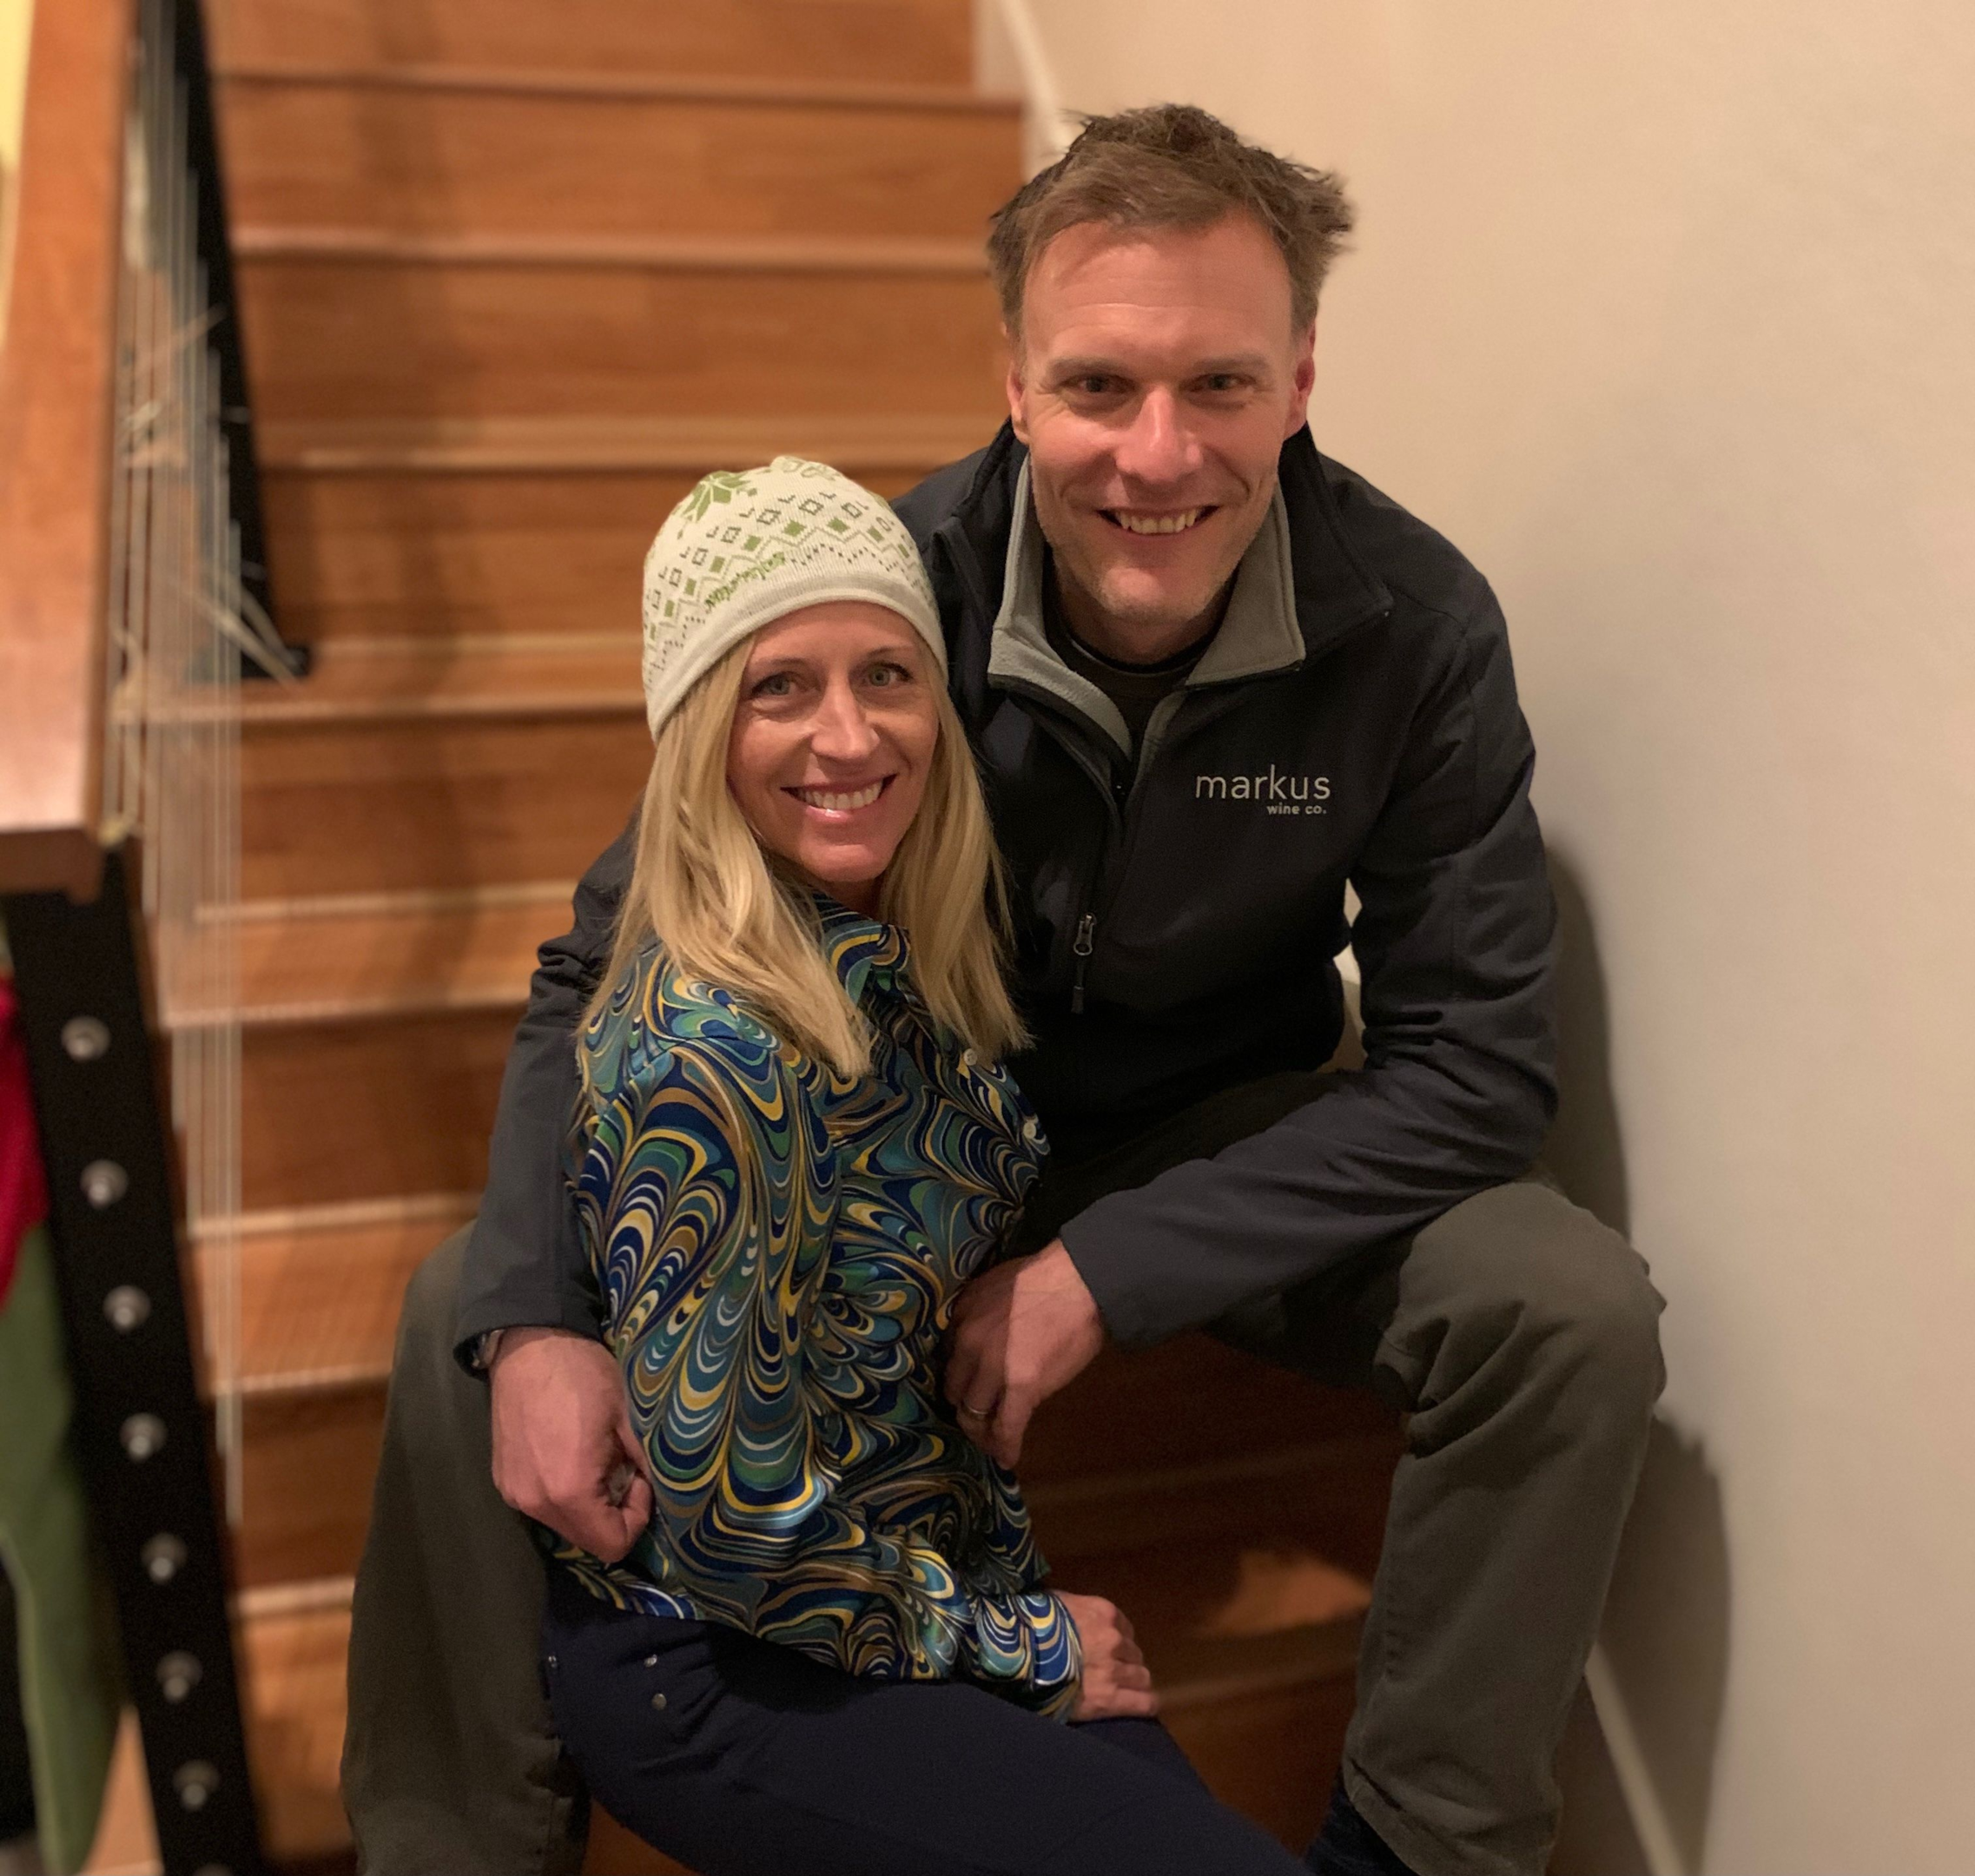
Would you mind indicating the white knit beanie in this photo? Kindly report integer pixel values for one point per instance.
(747, 547)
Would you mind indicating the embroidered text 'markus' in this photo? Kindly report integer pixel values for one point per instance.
(1274, 786)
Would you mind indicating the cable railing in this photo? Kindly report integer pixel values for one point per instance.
(183, 625)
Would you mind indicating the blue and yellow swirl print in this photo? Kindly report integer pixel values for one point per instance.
(779, 1248)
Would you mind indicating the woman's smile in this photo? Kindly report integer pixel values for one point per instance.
(838, 799)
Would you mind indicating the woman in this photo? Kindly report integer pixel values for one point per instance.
(832, 1649)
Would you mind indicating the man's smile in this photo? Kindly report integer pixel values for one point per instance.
(1152, 521)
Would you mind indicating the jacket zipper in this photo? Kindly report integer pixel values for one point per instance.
(1082, 947)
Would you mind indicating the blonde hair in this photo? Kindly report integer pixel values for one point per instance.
(726, 913)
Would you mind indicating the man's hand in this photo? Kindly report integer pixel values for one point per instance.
(1117, 1684)
(1020, 1331)
(564, 1452)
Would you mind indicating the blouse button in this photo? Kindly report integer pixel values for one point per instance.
(658, 1703)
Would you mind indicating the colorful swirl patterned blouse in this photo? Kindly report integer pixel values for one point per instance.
(779, 1248)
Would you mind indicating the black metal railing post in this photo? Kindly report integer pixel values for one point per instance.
(142, 1437)
(216, 256)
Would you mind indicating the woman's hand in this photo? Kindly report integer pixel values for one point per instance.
(1117, 1684)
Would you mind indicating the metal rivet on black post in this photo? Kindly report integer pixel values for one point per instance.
(195, 1782)
(85, 1038)
(126, 1307)
(103, 1183)
(178, 1674)
(143, 1434)
(162, 1557)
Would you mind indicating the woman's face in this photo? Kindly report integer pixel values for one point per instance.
(832, 740)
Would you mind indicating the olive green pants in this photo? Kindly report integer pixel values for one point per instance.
(1519, 1335)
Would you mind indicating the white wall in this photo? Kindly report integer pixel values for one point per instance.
(1664, 310)
(15, 17)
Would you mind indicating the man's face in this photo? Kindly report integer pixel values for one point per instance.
(1155, 381)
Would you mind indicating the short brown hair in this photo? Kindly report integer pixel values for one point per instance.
(1171, 166)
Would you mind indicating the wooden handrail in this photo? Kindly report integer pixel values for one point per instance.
(57, 383)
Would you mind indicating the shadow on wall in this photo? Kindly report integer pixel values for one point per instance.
(1666, 1627)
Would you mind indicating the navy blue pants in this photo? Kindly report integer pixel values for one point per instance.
(741, 1758)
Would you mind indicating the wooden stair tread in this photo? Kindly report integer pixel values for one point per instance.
(720, 254)
(496, 444)
(653, 87)
(356, 679)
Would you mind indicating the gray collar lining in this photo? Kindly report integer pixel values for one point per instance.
(1258, 634)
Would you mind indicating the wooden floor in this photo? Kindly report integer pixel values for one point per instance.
(514, 276)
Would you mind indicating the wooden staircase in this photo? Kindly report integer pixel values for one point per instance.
(514, 276)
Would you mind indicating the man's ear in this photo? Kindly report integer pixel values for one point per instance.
(1015, 383)
(1304, 382)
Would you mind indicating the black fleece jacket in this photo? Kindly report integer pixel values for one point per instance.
(1179, 914)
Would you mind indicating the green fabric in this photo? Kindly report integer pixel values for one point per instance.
(70, 1689)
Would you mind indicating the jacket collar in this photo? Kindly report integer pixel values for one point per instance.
(1260, 633)
(1336, 592)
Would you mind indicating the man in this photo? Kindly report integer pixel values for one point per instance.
(1211, 677)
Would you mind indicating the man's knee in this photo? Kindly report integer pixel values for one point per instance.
(433, 1401)
(431, 1298)
(1540, 1272)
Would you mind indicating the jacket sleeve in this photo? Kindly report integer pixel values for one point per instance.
(524, 1265)
(710, 1186)
(1455, 941)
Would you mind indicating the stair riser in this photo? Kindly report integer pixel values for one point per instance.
(1272, 1756)
(355, 1111)
(322, 1303)
(353, 340)
(417, 805)
(903, 41)
(310, 1461)
(1191, 1401)
(335, 155)
(1335, 1506)
(435, 554)
(311, 1457)
(293, 1671)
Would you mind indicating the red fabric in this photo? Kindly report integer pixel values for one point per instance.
(24, 1185)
